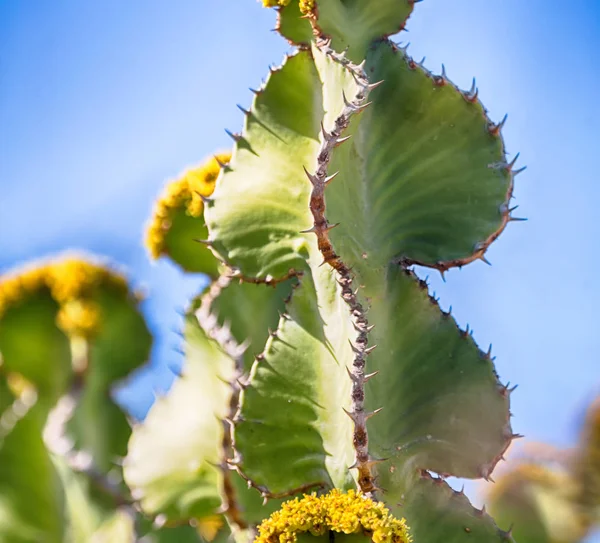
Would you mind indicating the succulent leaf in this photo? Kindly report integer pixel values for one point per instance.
(29, 339)
(293, 25)
(178, 224)
(31, 500)
(444, 408)
(292, 431)
(438, 514)
(432, 180)
(259, 233)
(250, 311)
(180, 479)
(355, 24)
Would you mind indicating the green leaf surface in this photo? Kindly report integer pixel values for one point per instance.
(355, 24)
(32, 345)
(292, 26)
(170, 466)
(260, 204)
(293, 430)
(251, 310)
(444, 409)
(31, 499)
(436, 513)
(182, 247)
(421, 177)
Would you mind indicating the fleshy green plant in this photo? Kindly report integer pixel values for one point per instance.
(551, 495)
(318, 368)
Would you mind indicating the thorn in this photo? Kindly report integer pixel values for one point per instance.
(422, 62)
(471, 95)
(362, 65)
(357, 351)
(510, 166)
(323, 131)
(372, 86)
(370, 375)
(310, 230)
(369, 328)
(205, 242)
(361, 107)
(311, 177)
(443, 274)
(473, 87)
(222, 165)
(234, 137)
(484, 259)
(205, 199)
(351, 415)
(369, 350)
(244, 111)
(331, 178)
(517, 436)
(346, 103)
(520, 170)
(257, 92)
(342, 140)
(373, 413)
(516, 219)
(444, 75)
(494, 129)
(511, 390)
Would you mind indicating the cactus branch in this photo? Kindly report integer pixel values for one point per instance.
(56, 437)
(222, 335)
(321, 228)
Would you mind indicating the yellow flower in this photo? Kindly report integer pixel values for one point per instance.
(306, 6)
(274, 3)
(185, 194)
(72, 282)
(348, 513)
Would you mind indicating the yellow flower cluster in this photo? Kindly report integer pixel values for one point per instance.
(275, 3)
(306, 6)
(72, 283)
(348, 513)
(182, 194)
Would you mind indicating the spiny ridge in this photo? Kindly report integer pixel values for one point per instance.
(321, 228)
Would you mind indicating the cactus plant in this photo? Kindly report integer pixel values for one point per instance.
(355, 164)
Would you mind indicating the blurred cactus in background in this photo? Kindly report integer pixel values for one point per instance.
(550, 495)
(355, 164)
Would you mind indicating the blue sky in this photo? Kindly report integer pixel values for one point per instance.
(101, 102)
